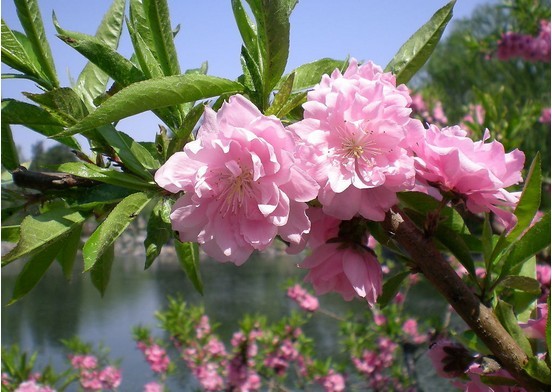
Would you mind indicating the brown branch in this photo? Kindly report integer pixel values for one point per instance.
(479, 318)
(43, 181)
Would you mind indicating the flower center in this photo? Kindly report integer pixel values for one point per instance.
(237, 190)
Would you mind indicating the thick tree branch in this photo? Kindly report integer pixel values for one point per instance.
(479, 318)
(43, 181)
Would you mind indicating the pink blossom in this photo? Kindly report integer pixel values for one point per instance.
(303, 298)
(241, 182)
(203, 328)
(90, 380)
(333, 382)
(110, 377)
(353, 131)
(477, 172)
(543, 274)
(215, 347)
(475, 383)
(410, 327)
(153, 387)
(449, 358)
(379, 319)
(156, 356)
(530, 48)
(536, 328)
(208, 377)
(545, 116)
(347, 271)
(32, 386)
(83, 361)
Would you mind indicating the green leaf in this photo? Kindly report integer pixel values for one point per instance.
(112, 227)
(10, 233)
(62, 103)
(487, 242)
(33, 271)
(310, 74)
(247, 28)
(188, 256)
(523, 283)
(101, 272)
(538, 369)
(526, 209)
(505, 314)
(157, 14)
(9, 155)
(92, 82)
(391, 288)
(159, 230)
(535, 239)
(35, 118)
(154, 94)
(68, 252)
(134, 156)
(38, 232)
(148, 63)
(97, 195)
(109, 176)
(31, 20)
(415, 52)
(272, 18)
(183, 134)
(282, 96)
(15, 55)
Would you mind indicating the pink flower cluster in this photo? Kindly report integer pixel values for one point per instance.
(373, 364)
(435, 115)
(247, 179)
(32, 386)
(155, 355)
(91, 377)
(332, 381)
(303, 298)
(529, 48)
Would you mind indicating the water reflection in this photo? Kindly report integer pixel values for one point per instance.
(57, 309)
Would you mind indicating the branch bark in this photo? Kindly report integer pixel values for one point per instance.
(44, 181)
(479, 318)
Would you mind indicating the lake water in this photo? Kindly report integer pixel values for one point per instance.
(57, 309)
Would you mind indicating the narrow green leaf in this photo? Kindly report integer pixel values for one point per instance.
(535, 239)
(505, 314)
(62, 103)
(310, 74)
(247, 28)
(415, 52)
(538, 369)
(391, 287)
(112, 227)
(523, 283)
(154, 94)
(92, 81)
(159, 230)
(38, 232)
(148, 63)
(133, 155)
(31, 20)
(109, 176)
(68, 252)
(157, 14)
(16, 56)
(9, 155)
(10, 233)
(188, 256)
(183, 134)
(97, 195)
(282, 96)
(101, 272)
(272, 18)
(35, 118)
(293, 103)
(33, 271)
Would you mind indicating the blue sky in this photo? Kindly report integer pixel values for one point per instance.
(365, 29)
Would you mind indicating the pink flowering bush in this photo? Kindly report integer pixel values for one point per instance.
(241, 182)
(515, 45)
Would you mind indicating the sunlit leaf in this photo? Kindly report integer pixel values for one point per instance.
(109, 176)
(538, 369)
(154, 94)
(188, 256)
(415, 52)
(247, 28)
(92, 81)
(31, 20)
(310, 74)
(112, 227)
(38, 232)
(282, 96)
(10, 233)
(523, 283)
(62, 103)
